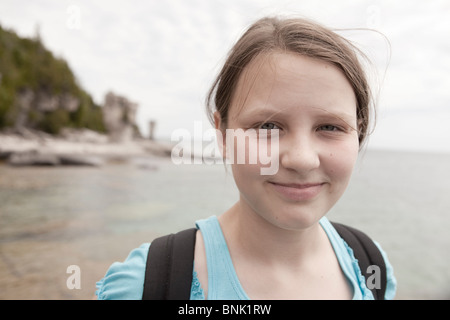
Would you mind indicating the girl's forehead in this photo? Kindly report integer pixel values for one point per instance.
(281, 64)
(287, 79)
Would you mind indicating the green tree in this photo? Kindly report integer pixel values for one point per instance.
(26, 64)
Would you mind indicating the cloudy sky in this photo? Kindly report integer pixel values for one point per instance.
(164, 54)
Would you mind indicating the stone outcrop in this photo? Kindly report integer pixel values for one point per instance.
(119, 116)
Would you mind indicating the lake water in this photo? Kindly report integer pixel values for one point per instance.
(52, 218)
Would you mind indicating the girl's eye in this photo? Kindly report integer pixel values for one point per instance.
(329, 127)
(268, 126)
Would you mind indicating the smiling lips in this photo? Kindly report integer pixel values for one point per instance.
(297, 192)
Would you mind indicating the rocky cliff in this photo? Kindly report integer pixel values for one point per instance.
(39, 91)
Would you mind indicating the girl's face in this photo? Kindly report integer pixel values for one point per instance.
(311, 107)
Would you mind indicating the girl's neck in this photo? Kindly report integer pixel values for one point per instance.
(251, 236)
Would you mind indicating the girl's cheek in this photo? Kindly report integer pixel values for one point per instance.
(341, 160)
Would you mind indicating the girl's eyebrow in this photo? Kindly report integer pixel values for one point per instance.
(345, 117)
(338, 115)
(323, 113)
(263, 112)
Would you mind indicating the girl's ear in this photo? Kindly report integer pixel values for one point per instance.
(359, 128)
(220, 134)
(217, 120)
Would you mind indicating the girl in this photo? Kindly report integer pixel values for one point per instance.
(302, 85)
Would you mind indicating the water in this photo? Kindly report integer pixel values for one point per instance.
(51, 218)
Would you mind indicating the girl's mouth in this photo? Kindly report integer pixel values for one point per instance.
(297, 192)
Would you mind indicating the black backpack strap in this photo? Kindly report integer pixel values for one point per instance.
(367, 254)
(170, 263)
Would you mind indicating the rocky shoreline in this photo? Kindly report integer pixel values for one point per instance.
(26, 147)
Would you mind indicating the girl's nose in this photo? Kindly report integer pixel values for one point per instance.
(299, 153)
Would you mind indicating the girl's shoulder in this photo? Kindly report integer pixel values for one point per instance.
(350, 264)
(125, 280)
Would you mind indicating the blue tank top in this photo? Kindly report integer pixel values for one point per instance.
(125, 280)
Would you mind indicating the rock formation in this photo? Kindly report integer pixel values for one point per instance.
(119, 117)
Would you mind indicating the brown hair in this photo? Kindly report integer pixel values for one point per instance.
(299, 36)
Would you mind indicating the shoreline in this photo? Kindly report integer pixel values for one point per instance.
(82, 147)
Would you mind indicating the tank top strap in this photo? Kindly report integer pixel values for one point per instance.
(223, 283)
